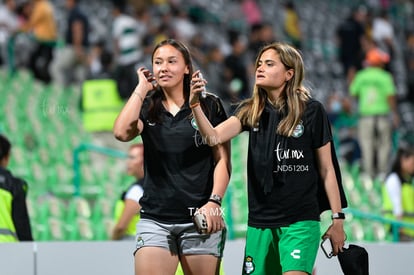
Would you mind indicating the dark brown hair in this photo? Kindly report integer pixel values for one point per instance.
(155, 106)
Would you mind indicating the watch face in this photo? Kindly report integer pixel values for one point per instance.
(216, 197)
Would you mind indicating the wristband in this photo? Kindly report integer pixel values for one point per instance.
(215, 201)
(338, 216)
(195, 101)
(192, 106)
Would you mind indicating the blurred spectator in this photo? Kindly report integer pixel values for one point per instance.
(23, 10)
(145, 25)
(409, 66)
(9, 25)
(254, 41)
(344, 123)
(291, 25)
(22, 43)
(199, 49)
(70, 65)
(127, 207)
(14, 217)
(128, 51)
(252, 12)
(383, 34)
(95, 66)
(106, 68)
(349, 34)
(183, 28)
(100, 101)
(398, 192)
(215, 75)
(267, 34)
(42, 25)
(375, 92)
(236, 69)
(138, 5)
(260, 35)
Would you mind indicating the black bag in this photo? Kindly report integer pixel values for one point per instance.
(354, 260)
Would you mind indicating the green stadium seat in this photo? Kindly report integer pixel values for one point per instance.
(56, 229)
(56, 207)
(78, 207)
(356, 231)
(85, 228)
(380, 232)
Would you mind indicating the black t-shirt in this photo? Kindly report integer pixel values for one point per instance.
(179, 166)
(283, 174)
(349, 34)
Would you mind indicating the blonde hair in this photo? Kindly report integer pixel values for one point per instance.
(291, 102)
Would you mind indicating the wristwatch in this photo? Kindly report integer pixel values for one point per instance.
(339, 216)
(216, 198)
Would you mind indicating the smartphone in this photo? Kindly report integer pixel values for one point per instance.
(150, 77)
(204, 92)
(327, 248)
(200, 222)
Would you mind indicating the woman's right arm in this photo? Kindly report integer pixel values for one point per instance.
(128, 125)
(223, 132)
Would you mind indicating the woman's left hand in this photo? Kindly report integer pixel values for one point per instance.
(337, 235)
(214, 216)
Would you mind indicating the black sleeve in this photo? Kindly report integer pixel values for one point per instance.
(321, 127)
(20, 214)
(235, 112)
(217, 114)
(321, 135)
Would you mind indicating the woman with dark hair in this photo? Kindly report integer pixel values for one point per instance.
(293, 173)
(398, 192)
(183, 175)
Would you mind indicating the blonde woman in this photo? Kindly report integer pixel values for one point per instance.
(293, 173)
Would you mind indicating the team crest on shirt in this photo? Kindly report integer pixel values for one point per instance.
(194, 124)
(248, 265)
(298, 132)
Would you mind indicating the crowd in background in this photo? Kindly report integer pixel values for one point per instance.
(67, 42)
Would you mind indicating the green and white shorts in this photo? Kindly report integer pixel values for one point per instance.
(278, 250)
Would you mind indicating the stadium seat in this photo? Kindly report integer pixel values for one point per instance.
(56, 228)
(78, 207)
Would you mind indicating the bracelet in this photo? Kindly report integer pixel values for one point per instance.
(192, 106)
(214, 201)
(195, 101)
(138, 95)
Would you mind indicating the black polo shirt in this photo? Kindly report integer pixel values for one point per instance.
(179, 166)
(283, 179)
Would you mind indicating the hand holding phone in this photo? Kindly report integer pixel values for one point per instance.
(200, 222)
(204, 92)
(146, 79)
(327, 248)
